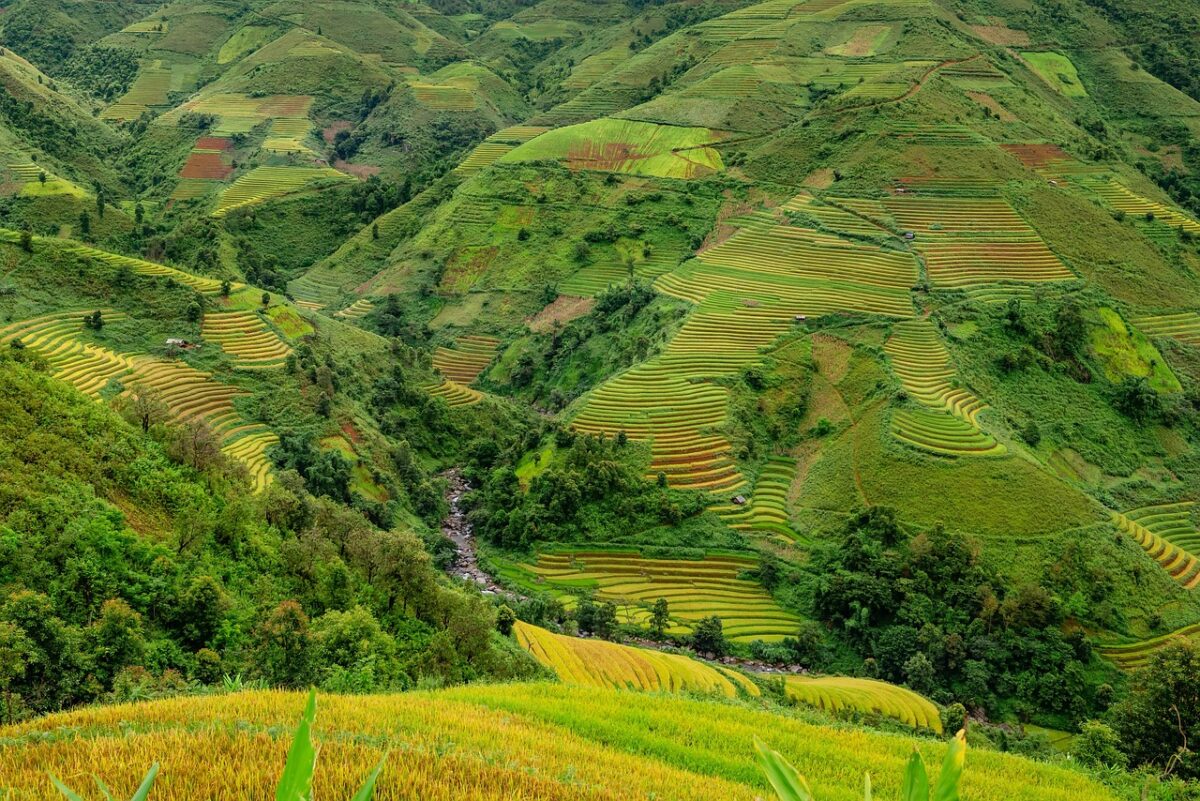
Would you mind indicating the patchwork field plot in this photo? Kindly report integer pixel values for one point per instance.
(826, 214)
(923, 365)
(189, 394)
(636, 148)
(968, 241)
(148, 90)
(597, 663)
(454, 394)
(359, 308)
(483, 156)
(1149, 212)
(59, 339)
(1132, 656)
(1184, 326)
(245, 337)
(464, 362)
(287, 135)
(766, 510)
(516, 134)
(28, 175)
(208, 160)
(943, 434)
(237, 113)
(1057, 71)
(841, 693)
(1168, 535)
(864, 41)
(265, 183)
(693, 588)
(443, 97)
(595, 67)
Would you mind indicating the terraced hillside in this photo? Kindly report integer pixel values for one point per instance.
(694, 589)
(246, 337)
(837, 693)
(189, 395)
(1169, 536)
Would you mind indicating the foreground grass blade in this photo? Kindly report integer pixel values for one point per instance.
(789, 785)
(143, 790)
(367, 791)
(64, 789)
(952, 768)
(915, 786)
(296, 782)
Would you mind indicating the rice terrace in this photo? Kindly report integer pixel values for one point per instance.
(613, 400)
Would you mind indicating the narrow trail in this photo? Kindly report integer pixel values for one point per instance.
(458, 529)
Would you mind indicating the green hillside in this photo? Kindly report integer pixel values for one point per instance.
(848, 347)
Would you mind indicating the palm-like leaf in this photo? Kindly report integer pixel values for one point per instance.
(296, 782)
(789, 785)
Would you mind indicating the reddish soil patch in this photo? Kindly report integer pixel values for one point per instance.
(205, 165)
(562, 309)
(351, 432)
(334, 128)
(357, 170)
(213, 143)
(1037, 156)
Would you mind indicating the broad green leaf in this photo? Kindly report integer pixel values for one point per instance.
(789, 785)
(296, 782)
(143, 790)
(108, 796)
(952, 768)
(64, 789)
(915, 786)
(367, 791)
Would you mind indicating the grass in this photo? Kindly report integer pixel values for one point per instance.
(635, 148)
(838, 693)
(1057, 71)
(246, 40)
(694, 588)
(597, 663)
(553, 742)
(1123, 352)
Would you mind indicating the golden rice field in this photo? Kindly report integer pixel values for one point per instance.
(923, 365)
(266, 183)
(287, 135)
(359, 308)
(189, 394)
(238, 113)
(969, 241)
(1168, 535)
(1184, 326)
(483, 156)
(247, 338)
(942, 434)
(454, 394)
(489, 743)
(693, 588)
(598, 663)
(468, 358)
(868, 696)
(767, 507)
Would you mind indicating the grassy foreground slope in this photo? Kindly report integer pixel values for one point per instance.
(489, 742)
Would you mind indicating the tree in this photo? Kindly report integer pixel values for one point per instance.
(194, 312)
(203, 606)
(116, 640)
(100, 203)
(605, 622)
(375, 230)
(42, 177)
(266, 299)
(226, 288)
(94, 321)
(139, 213)
(85, 224)
(282, 647)
(15, 651)
(709, 636)
(27, 241)
(195, 444)
(1099, 746)
(143, 405)
(1161, 714)
(505, 619)
(1135, 398)
(660, 616)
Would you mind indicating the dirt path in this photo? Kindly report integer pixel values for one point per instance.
(457, 528)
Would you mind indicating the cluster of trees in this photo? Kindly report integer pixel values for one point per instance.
(593, 491)
(925, 611)
(194, 578)
(104, 72)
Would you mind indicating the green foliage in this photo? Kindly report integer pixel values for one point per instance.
(1160, 717)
